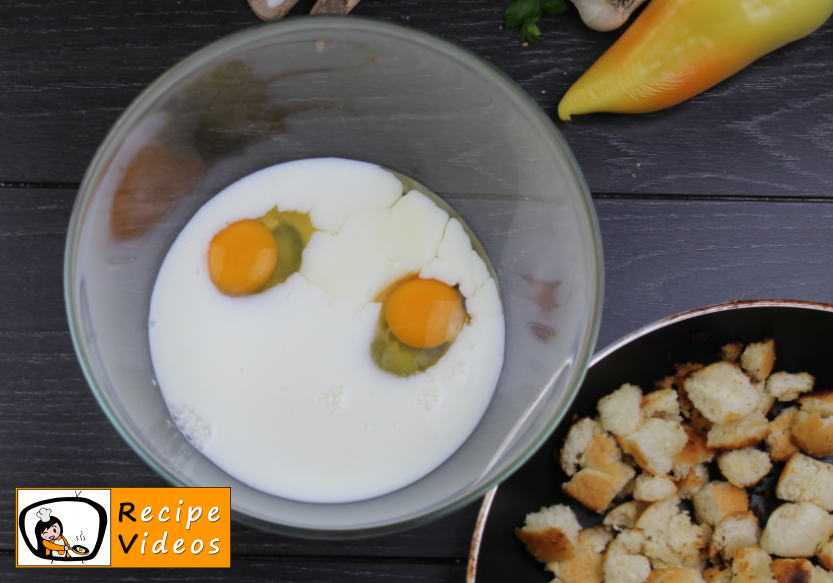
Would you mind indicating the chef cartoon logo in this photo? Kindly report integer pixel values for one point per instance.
(62, 528)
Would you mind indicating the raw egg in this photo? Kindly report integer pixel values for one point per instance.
(242, 257)
(425, 313)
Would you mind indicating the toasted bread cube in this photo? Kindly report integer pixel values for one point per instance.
(786, 387)
(625, 515)
(697, 477)
(578, 438)
(653, 488)
(717, 500)
(550, 534)
(792, 570)
(694, 453)
(804, 479)
(796, 530)
(675, 575)
(717, 574)
(662, 404)
(821, 575)
(821, 403)
(736, 531)
(752, 565)
(779, 442)
(620, 568)
(603, 477)
(731, 352)
(825, 554)
(621, 410)
(745, 432)
(722, 392)
(671, 539)
(744, 467)
(627, 542)
(758, 359)
(813, 434)
(586, 564)
(655, 444)
(594, 489)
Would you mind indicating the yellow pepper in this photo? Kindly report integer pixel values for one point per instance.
(676, 49)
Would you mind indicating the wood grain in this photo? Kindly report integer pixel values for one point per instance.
(254, 571)
(69, 68)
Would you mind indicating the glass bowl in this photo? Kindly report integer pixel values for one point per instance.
(363, 90)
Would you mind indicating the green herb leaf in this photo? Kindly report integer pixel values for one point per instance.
(530, 31)
(522, 11)
(525, 13)
(554, 6)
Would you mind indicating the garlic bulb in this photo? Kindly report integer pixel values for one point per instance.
(606, 15)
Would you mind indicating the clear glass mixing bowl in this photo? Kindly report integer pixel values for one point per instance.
(364, 90)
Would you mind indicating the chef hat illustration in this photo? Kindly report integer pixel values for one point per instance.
(44, 514)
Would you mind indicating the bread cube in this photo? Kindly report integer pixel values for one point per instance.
(621, 411)
(697, 477)
(821, 403)
(587, 564)
(812, 433)
(655, 444)
(821, 575)
(786, 387)
(792, 570)
(625, 515)
(736, 531)
(722, 392)
(825, 554)
(575, 445)
(779, 442)
(671, 539)
(796, 530)
(550, 534)
(752, 565)
(620, 568)
(603, 477)
(804, 479)
(653, 488)
(744, 467)
(758, 359)
(717, 500)
(695, 452)
(731, 352)
(662, 404)
(745, 432)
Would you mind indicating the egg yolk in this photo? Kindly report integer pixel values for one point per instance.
(425, 313)
(242, 257)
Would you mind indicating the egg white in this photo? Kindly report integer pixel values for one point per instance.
(281, 385)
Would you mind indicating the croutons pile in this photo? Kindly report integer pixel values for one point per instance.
(644, 454)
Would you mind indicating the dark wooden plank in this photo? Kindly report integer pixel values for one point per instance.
(254, 571)
(68, 68)
(663, 256)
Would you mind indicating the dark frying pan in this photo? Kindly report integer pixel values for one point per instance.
(803, 332)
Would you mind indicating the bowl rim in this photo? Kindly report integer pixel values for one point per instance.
(261, 33)
(486, 505)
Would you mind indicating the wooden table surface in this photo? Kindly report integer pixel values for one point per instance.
(728, 196)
